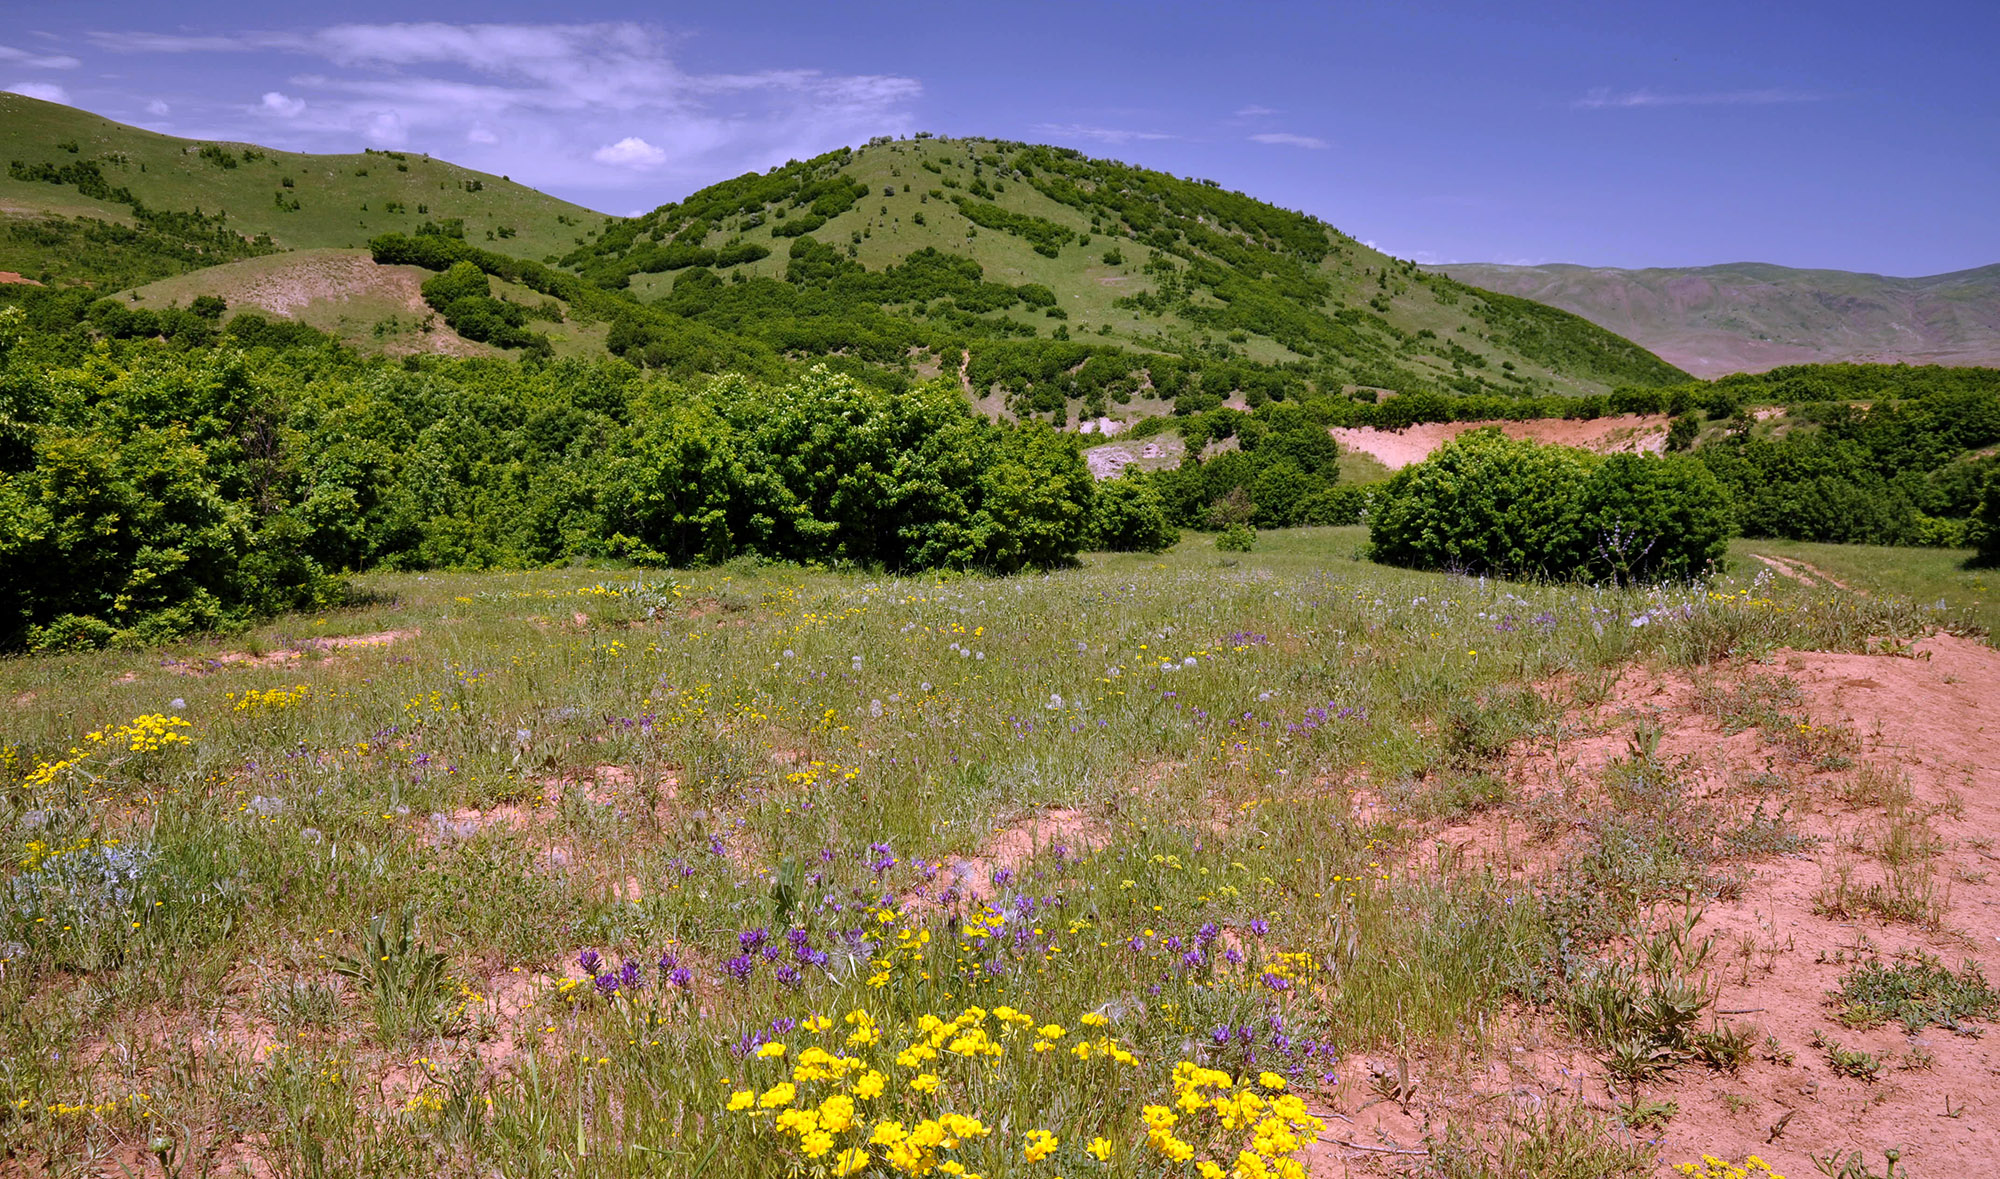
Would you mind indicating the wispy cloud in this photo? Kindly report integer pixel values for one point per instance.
(537, 100)
(1288, 139)
(1254, 111)
(1100, 134)
(1603, 98)
(46, 91)
(40, 61)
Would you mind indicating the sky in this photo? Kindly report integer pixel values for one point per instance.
(1608, 132)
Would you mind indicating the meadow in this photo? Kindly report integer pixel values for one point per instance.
(1128, 869)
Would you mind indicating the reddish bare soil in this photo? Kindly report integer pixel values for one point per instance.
(292, 653)
(1396, 449)
(1860, 745)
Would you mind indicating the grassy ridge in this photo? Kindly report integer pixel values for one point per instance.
(342, 200)
(1137, 261)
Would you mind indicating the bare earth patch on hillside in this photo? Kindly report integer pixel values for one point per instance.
(1109, 462)
(1621, 434)
(1876, 781)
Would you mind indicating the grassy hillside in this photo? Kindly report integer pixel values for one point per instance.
(1747, 317)
(67, 199)
(348, 295)
(1055, 285)
(1164, 289)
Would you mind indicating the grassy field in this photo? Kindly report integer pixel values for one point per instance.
(1111, 871)
(343, 199)
(1938, 577)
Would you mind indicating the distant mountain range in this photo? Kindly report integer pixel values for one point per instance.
(1749, 316)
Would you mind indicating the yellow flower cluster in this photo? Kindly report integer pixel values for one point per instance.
(146, 734)
(1711, 1167)
(143, 734)
(1210, 1105)
(268, 700)
(837, 1125)
(40, 851)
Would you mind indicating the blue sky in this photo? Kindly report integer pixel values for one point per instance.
(1844, 135)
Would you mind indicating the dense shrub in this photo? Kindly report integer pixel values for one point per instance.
(1985, 530)
(138, 514)
(193, 491)
(1488, 504)
(1237, 538)
(1127, 515)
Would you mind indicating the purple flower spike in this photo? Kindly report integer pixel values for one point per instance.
(589, 961)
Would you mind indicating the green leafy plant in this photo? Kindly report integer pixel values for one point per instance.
(401, 975)
(1916, 991)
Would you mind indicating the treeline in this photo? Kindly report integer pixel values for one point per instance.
(181, 488)
(1908, 472)
(1907, 467)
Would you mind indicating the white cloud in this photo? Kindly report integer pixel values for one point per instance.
(157, 108)
(282, 105)
(1099, 134)
(1254, 111)
(559, 89)
(1603, 97)
(386, 129)
(46, 91)
(43, 61)
(630, 152)
(1288, 139)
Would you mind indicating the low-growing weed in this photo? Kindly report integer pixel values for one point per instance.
(1855, 1165)
(403, 977)
(1565, 1142)
(1850, 1062)
(1917, 991)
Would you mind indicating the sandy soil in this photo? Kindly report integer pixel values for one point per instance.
(1396, 449)
(7, 276)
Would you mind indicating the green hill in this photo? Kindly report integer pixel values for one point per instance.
(1749, 316)
(85, 198)
(1055, 281)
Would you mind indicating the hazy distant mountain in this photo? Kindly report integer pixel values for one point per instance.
(1748, 316)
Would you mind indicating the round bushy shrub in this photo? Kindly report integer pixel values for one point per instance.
(1127, 515)
(1488, 504)
(1237, 538)
(1653, 519)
